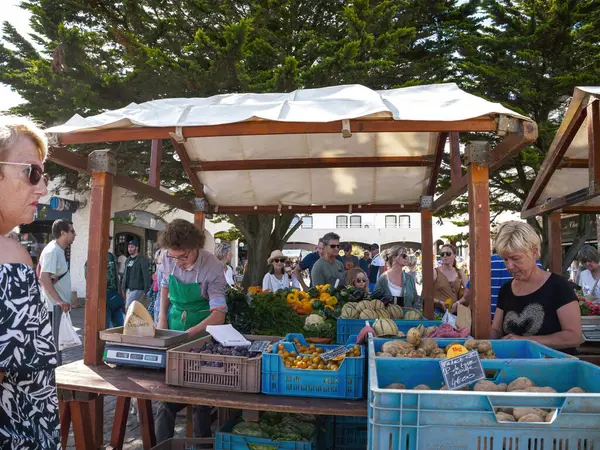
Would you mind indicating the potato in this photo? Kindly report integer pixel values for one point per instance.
(502, 387)
(546, 389)
(488, 355)
(576, 390)
(428, 331)
(396, 346)
(421, 387)
(550, 415)
(438, 353)
(485, 386)
(531, 418)
(384, 354)
(401, 334)
(413, 336)
(522, 412)
(395, 386)
(504, 417)
(484, 346)
(505, 410)
(415, 354)
(428, 345)
(520, 384)
(471, 344)
(444, 388)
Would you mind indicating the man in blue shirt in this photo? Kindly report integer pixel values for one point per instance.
(307, 263)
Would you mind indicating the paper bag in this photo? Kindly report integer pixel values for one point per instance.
(463, 317)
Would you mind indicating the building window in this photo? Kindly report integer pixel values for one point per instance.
(404, 221)
(341, 222)
(307, 222)
(355, 221)
(391, 221)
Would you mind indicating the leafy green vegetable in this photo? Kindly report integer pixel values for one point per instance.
(247, 429)
(273, 316)
(239, 313)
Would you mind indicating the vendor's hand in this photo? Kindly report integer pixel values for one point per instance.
(454, 308)
(512, 337)
(442, 306)
(362, 336)
(64, 306)
(163, 323)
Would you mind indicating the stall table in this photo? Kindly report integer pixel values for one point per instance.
(78, 385)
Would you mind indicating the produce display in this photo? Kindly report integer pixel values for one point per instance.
(309, 357)
(278, 427)
(375, 309)
(417, 347)
(214, 348)
(588, 308)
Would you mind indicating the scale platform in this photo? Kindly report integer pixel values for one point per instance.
(590, 328)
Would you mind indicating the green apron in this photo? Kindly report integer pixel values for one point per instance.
(188, 306)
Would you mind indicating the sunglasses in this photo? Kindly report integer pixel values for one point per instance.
(34, 172)
(446, 254)
(404, 255)
(279, 260)
(334, 245)
(361, 280)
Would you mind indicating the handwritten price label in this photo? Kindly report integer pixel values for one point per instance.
(462, 370)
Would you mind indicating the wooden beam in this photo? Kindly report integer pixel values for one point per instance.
(574, 163)
(581, 209)
(155, 160)
(593, 114)
(97, 410)
(267, 127)
(452, 193)
(313, 209)
(555, 243)
(437, 165)
(187, 166)
(479, 249)
(82, 418)
(312, 163)
(103, 167)
(65, 158)
(121, 414)
(560, 203)
(555, 155)
(427, 262)
(455, 161)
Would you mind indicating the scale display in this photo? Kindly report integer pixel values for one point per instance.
(135, 356)
(591, 335)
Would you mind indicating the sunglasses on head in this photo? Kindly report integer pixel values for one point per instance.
(334, 245)
(446, 253)
(34, 172)
(279, 260)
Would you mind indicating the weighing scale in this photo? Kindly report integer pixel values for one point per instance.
(590, 328)
(135, 351)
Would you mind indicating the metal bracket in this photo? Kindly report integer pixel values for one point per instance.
(507, 125)
(102, 161)
(201, 205)
(178, 135)
(426, 201)
(346, 132)
(478, 152)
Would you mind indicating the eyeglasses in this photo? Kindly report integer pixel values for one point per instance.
(34, 172)
(179, 258)
(446, 254)
(360, 280)
(279, 260)
(334, 245)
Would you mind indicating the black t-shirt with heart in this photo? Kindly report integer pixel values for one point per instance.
(535, 314)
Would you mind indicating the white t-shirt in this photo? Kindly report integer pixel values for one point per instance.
(53, 261)
(586, 281)
(229, 275)
(273, 284)
(396, 291)
(378, 262)
(121, 260)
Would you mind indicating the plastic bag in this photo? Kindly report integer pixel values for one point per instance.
(449, 318)
(67, 336)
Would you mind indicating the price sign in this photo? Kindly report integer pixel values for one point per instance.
(258, 346)
(462, 370)
(334, 353)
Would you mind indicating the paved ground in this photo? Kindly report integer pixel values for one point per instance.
(132, 437)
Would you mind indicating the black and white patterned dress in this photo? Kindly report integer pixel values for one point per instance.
(28, 402)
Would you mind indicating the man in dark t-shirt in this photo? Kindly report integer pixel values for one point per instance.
(349, 260)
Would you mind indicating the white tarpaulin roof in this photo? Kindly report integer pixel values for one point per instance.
(566, 180)
(331, 186)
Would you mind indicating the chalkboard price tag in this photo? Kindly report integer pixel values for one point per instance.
(462, 370)
(258, 346)
(334, 353)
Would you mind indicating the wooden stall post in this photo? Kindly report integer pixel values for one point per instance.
(478, 154)
(200, 212)
(427, 255)
(103, 167)
(155, 160)
(455, 162)
(555, 243)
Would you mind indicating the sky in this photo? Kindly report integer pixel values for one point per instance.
(19, 18)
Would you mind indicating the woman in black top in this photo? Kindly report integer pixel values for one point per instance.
(536, 304)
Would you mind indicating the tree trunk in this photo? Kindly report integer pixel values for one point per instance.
(584, 232)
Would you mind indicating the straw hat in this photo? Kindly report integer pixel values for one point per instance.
(276, 254)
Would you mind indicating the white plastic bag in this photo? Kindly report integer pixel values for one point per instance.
(449, 318)
(67, 336)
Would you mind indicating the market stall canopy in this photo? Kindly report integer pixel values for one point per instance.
(569, 178)
(312, 148)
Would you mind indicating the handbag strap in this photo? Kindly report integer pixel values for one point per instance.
(595, 284)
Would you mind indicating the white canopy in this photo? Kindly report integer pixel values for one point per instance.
(378, 185)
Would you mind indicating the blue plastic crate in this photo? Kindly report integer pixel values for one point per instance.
(504, 349)
(348, 327)
(350, 433)
(225, 440)
(347, 382)
(414, 420)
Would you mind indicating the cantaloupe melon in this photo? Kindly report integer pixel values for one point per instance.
(138, 321)
(395, 311)
(376, 305)
(365, 304)
(385, 327)
(350, 311)
(368, 314)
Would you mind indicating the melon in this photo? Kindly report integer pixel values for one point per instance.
(350, 311)
(412, 314)
(376, 305)
(365, 304)
(368, 314)
(395, 311)
(138, 321)
(383, 314)
(385, 327)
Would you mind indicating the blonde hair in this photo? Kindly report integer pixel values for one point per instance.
(13, 128)
(352, 274)
(393, 252)
(515, 236)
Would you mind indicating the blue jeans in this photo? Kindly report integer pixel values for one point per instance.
(114, 309)
(133, 295)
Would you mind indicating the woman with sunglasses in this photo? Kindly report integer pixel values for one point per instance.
(357, 278)
(448, 282)
(277, 278)
(396, 285)
(29, 406)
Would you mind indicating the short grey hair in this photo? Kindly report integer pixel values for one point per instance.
(330, 237)
(221, 250)
(13, 128)
(515, 236)
(588, 253)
